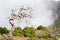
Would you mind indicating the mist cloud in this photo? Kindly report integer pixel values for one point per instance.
(42, 14)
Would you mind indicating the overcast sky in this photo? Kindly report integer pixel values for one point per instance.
(43, 16)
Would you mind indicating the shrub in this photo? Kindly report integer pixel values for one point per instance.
(56, 38)
(17, 31)
(41, 28)
(3, 30)
(58, 35)
(49, 35)
(29, 32)
(45, 36)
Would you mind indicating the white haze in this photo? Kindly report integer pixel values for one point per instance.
(42, 13)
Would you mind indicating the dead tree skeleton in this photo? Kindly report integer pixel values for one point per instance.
(18, 16)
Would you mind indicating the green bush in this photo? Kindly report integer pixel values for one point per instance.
(41, 28)
(29, 32)
(49, 35)
(17, 31)
(3, 30)
(26, 31)
(58, 35)
(45, 36)
(56, 38)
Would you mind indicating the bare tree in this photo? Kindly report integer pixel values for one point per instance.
(22, 13)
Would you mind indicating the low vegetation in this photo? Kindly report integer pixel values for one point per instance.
(29, 32)
(42, 28)
(17, 31)
(3, 30)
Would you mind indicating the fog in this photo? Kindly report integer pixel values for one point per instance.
(43, 14)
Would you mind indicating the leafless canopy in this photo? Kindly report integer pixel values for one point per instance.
(22, 13)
